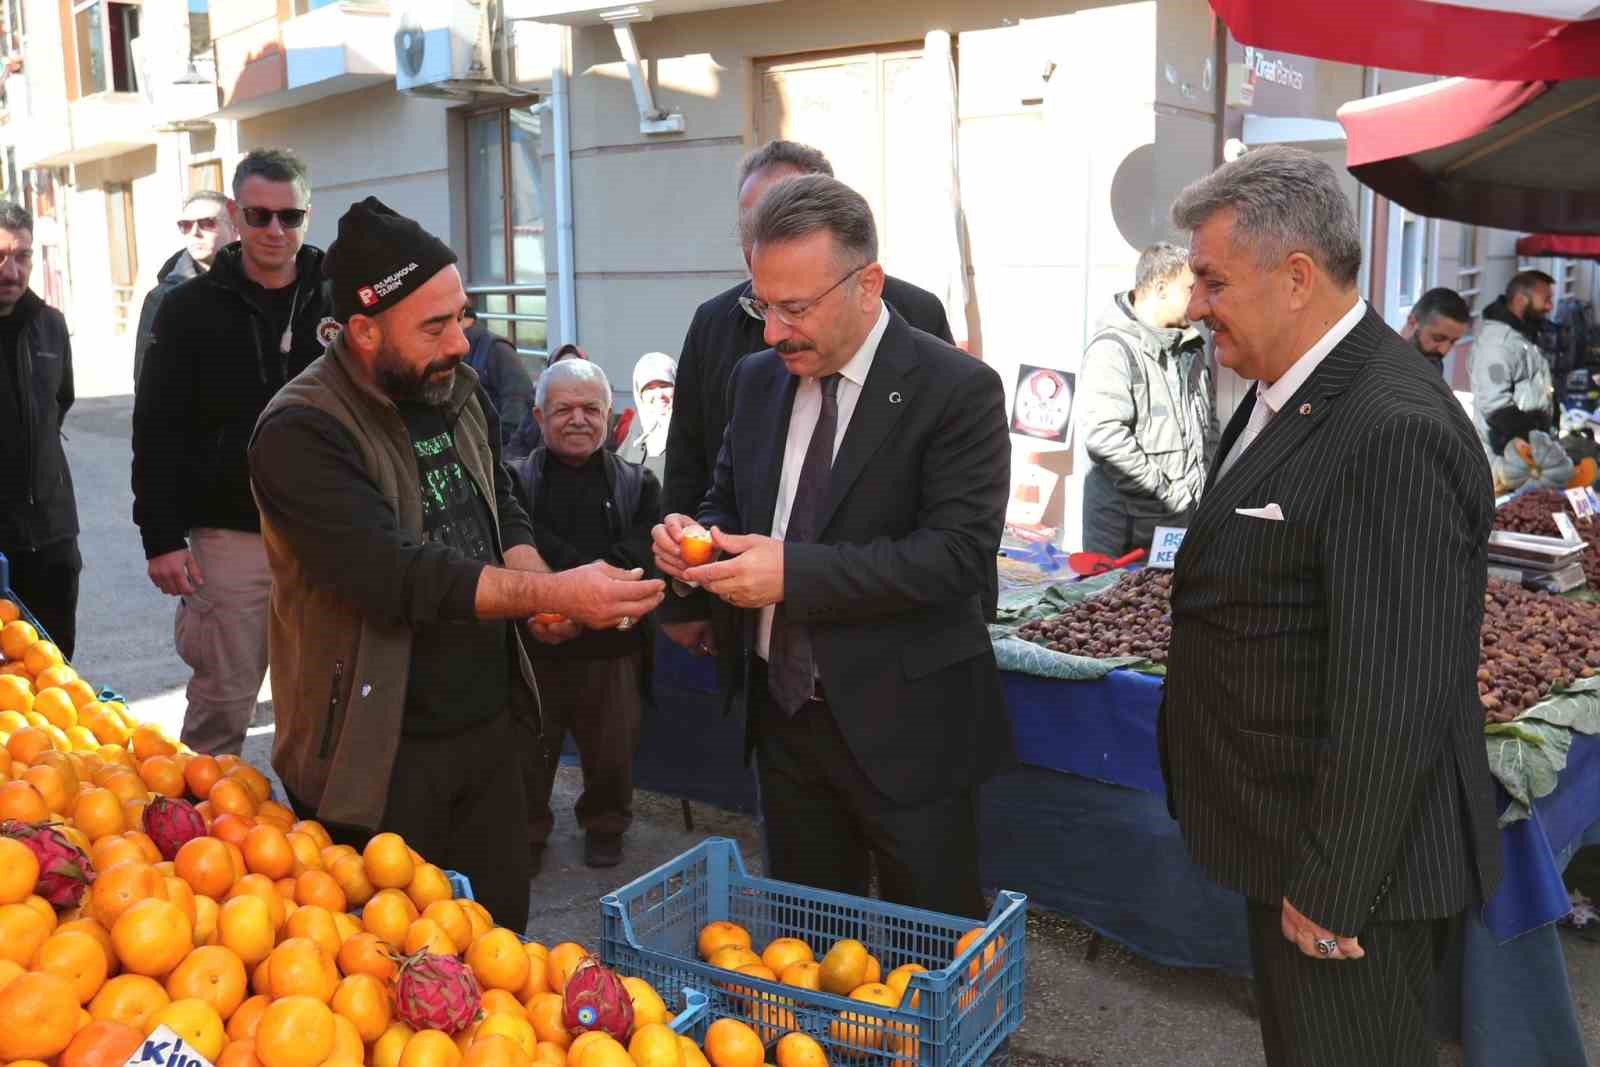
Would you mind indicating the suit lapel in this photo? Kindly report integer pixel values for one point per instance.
(777, 403)
(884, 396)
(1236, 425)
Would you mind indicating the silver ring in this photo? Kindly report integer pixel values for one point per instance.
(1327, 946)
(626, 623)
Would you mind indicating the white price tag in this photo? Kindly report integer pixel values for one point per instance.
(1594, 500)
(1569, 530)
(1164, 547)
(1582, 506)
(164, 1048)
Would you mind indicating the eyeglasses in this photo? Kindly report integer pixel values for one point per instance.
(791, 313)
(203, 225)
(260, 217)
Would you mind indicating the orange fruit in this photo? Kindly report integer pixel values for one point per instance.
(22, 931)
(78, 958)
(348, 1048)
(874, 971)
(844, 967)
(782, 951)
(238, 1054)
(692, 1056)
(598, 1049)
(498, 961)
(428, 885)
(971, 937)
(197, 1023)
(389, 914)
(232, 829)
(148, 741)
(299, 967)
(732, 957)
(10, 970)
(387, 1049)
(56, 706)
(132, 999)
(256, 782)
(564, 959)
(101, 936)
(367, 954)
(538, 973)
(316, 831)
(545, 1012)
(364, 1000)
(54, 677)
(350, 872)
(275, 815)
(867, 1031)
(41, 656)
(452, 920)
(267, 852)
(19, 871)
(200, 774)
(38, 1016)
(204, 863)
(495, 1050)
(21, 801)
(98, 813)
(655, 1045)
(206, 913)
(257, 885)
(9, 611)
(516, 1027)
(319, 889)
(16, 694)
(52, 787)
(16, 638)
(152, 937)
(388, 862)
(900, 978)
(229, 796)
(425, 935)
(28, 744)
(245, 928)
(498, 1000)
(430, 1048)
(212, 974)
(803, 975)
(126, 785)
(730, 1043)
(122, 885)
(242, 1025)
(81, 692)
(721, 934)
(551, 1055)
(478, 915)
(307, 853)
(152, 854)
(315, 924)
(800, 1050)
(101, 1044)
(648, 1007)
(109, 852)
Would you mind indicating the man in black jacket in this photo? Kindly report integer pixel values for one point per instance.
(586, 504)
(501, 373)
(38, 512)
(224, 343)
(721, 334)
(206, 230)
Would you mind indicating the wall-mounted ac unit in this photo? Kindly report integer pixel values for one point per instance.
(446, 48)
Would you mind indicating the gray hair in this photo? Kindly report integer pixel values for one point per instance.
(275, 165)
(208, 195)
(801, 157)
(570, 370)
(799, 207)
(1286, 200)
(1161, 262)
(14, 218)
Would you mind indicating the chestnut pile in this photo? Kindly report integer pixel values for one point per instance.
(1530, 514)
(1532, 643)
(1132, 618)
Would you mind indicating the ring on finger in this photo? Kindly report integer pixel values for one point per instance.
(1327, 947)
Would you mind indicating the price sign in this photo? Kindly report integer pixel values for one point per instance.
(1164, 547)
(1594, 500)
(1582, 505)
(1569, 530)
(164, 1048)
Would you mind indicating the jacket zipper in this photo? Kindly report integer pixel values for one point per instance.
(326, 748)
(25, 374)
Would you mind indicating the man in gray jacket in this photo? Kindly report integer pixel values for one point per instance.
(1512, 390)
(1145, 409)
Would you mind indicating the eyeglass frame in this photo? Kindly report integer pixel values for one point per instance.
(208, 225)
(758, 309)
(275, 213)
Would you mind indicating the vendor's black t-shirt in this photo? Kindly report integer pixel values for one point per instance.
(460, 671)
(277, 306)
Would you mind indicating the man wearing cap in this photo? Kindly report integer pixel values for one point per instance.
(401, 562)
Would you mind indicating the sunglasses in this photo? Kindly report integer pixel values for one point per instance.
(259, 217)
(203, 225)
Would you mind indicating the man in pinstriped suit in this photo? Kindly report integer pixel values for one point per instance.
(1321, 735)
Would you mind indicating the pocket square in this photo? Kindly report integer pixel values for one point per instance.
(1272, 513)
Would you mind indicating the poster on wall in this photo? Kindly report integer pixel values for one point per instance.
(1041, 405)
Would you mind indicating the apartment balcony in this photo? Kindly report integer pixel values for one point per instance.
(265, 65)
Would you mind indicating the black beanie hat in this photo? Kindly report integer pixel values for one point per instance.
(379, 258)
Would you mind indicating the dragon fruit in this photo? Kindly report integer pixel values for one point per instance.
(171, 824)
(596, 999)
(64, 870)
(434, 992)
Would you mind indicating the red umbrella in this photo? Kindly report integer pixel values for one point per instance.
(1514, 155)
(1521, 41)
(1565, 245)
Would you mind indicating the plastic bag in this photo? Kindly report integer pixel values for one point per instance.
(1540, 460)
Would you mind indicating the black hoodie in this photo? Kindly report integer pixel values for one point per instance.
(178, 268)
(213, 363)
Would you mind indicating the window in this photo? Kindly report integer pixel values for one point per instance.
(1411, 238)
(505, 222)
(124, 258)
(105, 31)
(1468, 272)
(206, 175)
(16, 30)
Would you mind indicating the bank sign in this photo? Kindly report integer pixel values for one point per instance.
(1273, 84)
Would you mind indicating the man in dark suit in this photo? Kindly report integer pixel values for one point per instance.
(720, 335)
(858, 499)
(1321, 733)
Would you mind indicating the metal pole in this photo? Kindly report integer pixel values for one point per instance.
(566, 272)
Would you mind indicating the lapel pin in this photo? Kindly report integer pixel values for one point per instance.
(1305, 409)
(895, 398)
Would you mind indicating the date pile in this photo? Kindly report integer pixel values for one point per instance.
(1530, 514)
(1132, 618)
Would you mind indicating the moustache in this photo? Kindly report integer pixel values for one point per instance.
(790, 348)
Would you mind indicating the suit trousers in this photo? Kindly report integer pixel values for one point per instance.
(597, 701)
(221, 633)
(826, 822)
(46, 581)
(1347, 1013)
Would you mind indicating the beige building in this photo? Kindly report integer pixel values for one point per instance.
(580, 156)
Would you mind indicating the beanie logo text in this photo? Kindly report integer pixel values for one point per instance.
(382, 288)
(367, 296)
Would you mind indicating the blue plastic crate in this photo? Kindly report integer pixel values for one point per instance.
(955, 1015)
(11, 595)
(695, 1017)
(460, 887)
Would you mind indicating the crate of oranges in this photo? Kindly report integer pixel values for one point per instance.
(789, 968)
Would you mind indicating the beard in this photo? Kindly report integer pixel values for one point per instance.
(1416, 342)
(403, 383)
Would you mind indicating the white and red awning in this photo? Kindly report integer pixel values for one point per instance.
(1565, 245)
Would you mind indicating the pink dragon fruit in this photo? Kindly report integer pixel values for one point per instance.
(434, 992)
(171, 824)
(596, 999)
(64, 870)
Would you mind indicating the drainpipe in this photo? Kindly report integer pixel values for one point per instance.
(566, 273)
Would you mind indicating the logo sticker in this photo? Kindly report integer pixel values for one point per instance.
(366, 296)
(328, 331)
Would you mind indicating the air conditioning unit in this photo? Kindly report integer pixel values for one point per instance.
(446, 48)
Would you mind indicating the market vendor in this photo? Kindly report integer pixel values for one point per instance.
(1512, 388)
(400, 562)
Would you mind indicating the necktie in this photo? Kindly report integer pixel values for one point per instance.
(1260, 415)
(791, 672)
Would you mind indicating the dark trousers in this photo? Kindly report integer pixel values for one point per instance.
(46, 580)
(826, 821)
(457, 799)
(597, 701)
(1346, 1013)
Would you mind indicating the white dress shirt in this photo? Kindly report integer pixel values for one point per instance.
(802, 422)
(1270, 399)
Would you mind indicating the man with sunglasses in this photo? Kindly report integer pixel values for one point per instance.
(223, 344)
(206, 229)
